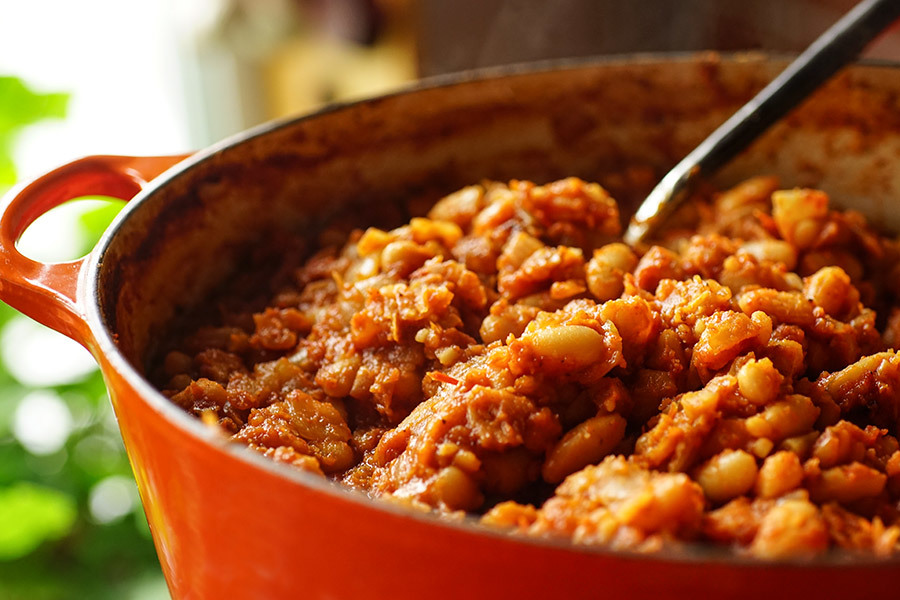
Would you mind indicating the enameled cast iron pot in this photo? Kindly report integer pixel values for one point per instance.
(229, 523)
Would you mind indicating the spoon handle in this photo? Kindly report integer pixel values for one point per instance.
(840, 44)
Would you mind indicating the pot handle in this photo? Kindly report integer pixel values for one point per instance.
(48, 292)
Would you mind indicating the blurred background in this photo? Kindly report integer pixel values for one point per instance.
(146, 77)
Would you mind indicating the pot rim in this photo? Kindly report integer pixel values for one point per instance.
(689, 553)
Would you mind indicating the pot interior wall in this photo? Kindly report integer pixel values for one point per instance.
(191, 231)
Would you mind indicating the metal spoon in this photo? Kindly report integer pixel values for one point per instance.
(832, 50)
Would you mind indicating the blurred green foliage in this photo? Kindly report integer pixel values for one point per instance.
(31, 514)
(20, 107)
(52, 546)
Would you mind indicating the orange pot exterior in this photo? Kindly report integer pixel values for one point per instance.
(227, 523)
(47, 292)
(225, 528)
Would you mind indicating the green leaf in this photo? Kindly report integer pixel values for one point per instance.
(7, 171)
(30, 515)
(94, 222)
(20, 106)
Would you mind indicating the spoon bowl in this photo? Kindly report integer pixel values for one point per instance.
(839, 45)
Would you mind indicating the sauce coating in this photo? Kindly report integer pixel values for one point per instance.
(735, 383)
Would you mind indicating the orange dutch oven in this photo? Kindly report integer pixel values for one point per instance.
(228, 523)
